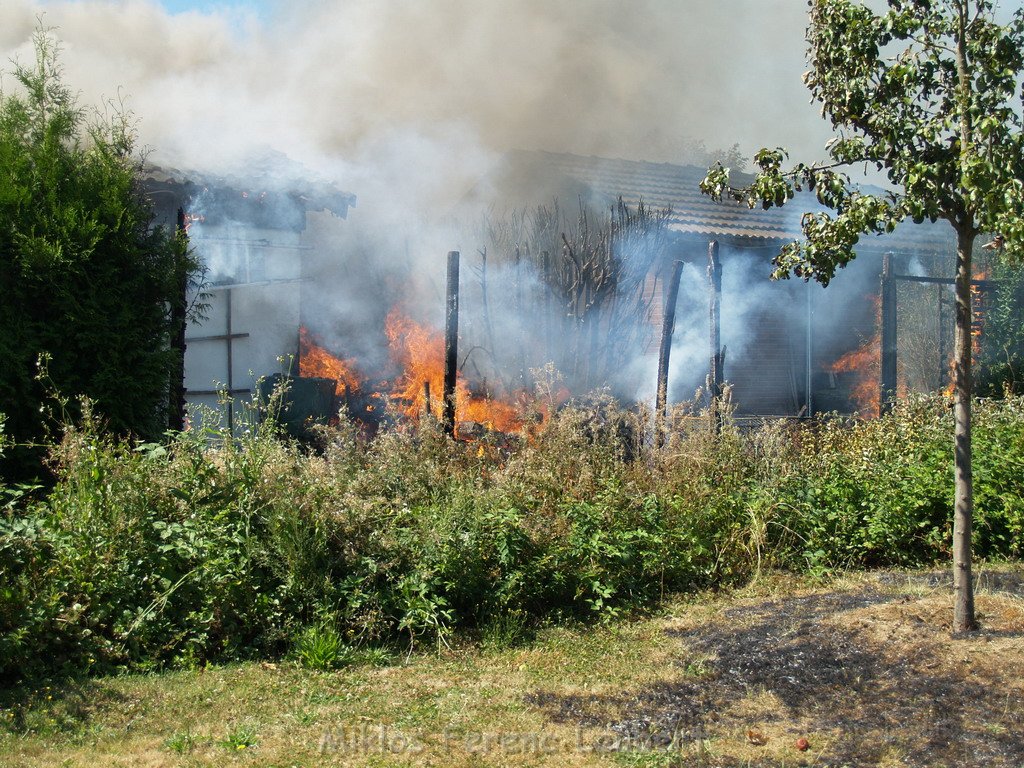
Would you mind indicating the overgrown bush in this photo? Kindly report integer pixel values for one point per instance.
(879, 493)
(151, 554)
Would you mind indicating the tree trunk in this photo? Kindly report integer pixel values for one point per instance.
(888, 379)
(963, 511)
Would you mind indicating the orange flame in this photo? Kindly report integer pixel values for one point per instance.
(314, 360)
(419, 352)
(865, 363)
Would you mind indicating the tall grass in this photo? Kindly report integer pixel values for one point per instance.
(177, 553)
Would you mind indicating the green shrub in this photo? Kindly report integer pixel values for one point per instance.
(880, 493)
(195, 550)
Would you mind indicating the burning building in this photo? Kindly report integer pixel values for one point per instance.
(291, 290)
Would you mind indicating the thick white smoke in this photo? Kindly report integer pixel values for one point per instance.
(425, 90)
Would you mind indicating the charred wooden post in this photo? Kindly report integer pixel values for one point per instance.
(176, 390)
(667, 327)
(451, 343)
(887, 367)
(716, 376)
(427, 411)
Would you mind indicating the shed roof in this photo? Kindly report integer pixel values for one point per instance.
(677, 187)
(277, 193)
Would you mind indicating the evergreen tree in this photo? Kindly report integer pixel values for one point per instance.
(85, 278)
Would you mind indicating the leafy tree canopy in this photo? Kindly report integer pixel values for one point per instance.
(86, 278)
(928, 92)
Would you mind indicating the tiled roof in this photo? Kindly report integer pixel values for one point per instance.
(664, 185)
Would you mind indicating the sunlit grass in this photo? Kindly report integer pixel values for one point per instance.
(476, 705)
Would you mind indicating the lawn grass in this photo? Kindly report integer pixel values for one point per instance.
(863, 667)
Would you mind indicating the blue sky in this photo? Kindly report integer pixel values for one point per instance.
(260, 7)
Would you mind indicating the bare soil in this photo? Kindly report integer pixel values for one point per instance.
(868, 674)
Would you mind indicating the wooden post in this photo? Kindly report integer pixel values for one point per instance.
(809, 383)
(451, 343)
(887, 367)
(667, 327)
(716, 376)
(229, 340)
(176, 390)
(426, 398)
(943, 362)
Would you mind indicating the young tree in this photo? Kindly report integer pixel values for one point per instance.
(86, 278)
(929, 92)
